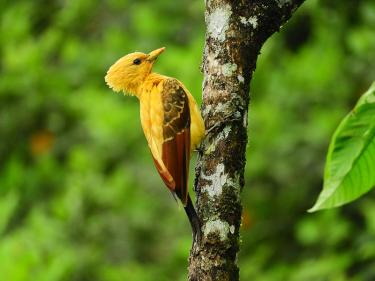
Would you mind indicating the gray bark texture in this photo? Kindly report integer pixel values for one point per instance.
(236, 31)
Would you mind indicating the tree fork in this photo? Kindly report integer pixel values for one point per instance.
(236, 31)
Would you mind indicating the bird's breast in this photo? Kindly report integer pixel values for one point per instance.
(151, 111)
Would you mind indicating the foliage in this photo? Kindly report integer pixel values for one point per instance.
(350, 162)
(79, 196)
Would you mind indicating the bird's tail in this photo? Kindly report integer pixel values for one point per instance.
(194, 220)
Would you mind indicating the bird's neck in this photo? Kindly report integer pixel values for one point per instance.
(151, 80)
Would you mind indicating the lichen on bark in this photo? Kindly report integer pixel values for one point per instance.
(236, 31)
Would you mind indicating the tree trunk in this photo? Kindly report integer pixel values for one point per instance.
(236, 31)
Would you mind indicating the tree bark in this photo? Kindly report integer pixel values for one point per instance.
(236, 31)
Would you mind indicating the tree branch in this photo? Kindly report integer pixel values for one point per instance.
(236, 31)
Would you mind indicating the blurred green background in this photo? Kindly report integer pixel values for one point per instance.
(80, 199)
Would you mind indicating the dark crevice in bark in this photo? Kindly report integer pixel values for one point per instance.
(236, 31)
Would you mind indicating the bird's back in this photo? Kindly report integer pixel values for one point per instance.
(152, 100)
(173, 126)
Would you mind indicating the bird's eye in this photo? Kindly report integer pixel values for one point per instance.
(137, 61)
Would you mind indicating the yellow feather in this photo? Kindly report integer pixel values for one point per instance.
(137, 79)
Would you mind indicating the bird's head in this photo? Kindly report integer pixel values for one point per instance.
(129, 72)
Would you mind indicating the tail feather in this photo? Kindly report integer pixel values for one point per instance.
(194, 220)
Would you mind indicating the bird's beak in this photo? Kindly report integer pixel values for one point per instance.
(152, 56)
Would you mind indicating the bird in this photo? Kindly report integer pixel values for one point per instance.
(171, 120)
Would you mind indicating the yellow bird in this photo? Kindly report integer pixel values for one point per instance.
(170, 118)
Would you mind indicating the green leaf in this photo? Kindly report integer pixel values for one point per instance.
(350, 164)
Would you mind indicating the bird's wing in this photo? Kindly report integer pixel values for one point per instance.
(176, 136)
(152, 119)
(197, 128)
